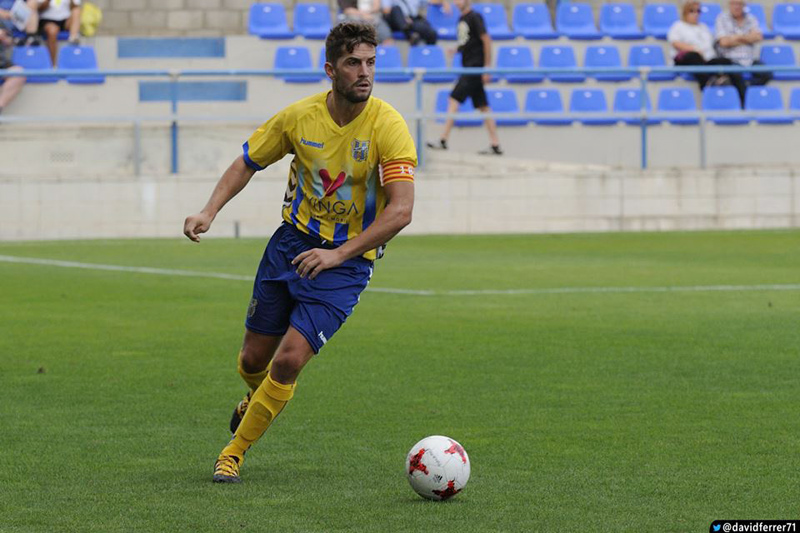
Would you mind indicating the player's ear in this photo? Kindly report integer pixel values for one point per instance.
(329, 70)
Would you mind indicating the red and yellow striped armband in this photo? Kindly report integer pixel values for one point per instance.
(398, 171)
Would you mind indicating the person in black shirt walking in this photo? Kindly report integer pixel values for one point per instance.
(475, 46)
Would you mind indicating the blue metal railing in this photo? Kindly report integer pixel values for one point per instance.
(639, 73)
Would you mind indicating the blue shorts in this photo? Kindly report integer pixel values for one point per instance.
(316, 308)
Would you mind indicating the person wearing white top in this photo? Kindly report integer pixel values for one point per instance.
(56, 16)
(693, 45)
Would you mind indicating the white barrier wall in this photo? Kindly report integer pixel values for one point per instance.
(456, 195)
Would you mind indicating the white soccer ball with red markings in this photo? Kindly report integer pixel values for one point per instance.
(437, 468)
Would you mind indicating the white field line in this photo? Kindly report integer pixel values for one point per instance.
(486, 292)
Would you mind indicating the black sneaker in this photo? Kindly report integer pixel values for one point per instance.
(442, 145)
(492, 150)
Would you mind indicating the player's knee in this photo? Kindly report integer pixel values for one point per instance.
(287, 366)
(252, 360)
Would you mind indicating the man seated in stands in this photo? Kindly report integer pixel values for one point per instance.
(56, 16)
(13, 84)
(407, 16)
(368, 11)
(31, 20)
(737, 33)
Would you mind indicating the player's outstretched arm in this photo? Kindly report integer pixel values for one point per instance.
(232, 181)
(396, 216)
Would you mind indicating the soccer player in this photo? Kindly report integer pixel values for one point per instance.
(475, 46)
(351, 189)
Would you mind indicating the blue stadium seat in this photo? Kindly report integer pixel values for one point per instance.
(576, 21)
(505, 101)
(590, 101)
(517, 57)
(645, 55)
(618, 21)
(768, 103)
(709, 13)
(726, 100)
(34, 58)
(73, 57)
(532, 21)
(780, 55)
(786, 20)
(494, 17)
(546, 101)
(757, 10)
(675, 99)
(630, 101)
(429, 56)
(312, 20)
(560, 57)
(442, 98)
(268, 21)
(605, 56)
(321, 62)
(295, 57)
(657, 18)
(445, 25)
(389, 57)
(794, 103)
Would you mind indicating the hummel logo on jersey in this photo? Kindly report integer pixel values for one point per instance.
(328, 184)
(322, 337)
(312, 144)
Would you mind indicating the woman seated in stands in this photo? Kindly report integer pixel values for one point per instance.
(693, 45)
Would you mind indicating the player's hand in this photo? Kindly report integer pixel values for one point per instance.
(487, 78)
(197, 224)
(311, 263)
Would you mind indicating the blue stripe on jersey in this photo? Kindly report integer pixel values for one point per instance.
(250, 163)
(370, 203)
(340, 234)
(313, 227)
(298, 199)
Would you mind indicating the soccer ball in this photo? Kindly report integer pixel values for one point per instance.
(437, 468)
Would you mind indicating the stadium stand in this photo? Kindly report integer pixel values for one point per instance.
(532, 21)
(786, 20)
(757, 10)
(429, 56)
(794, 103)
(442, 98)
(709, 13)
(505, 101)
(767, 103)
(657, 19)
(494, 17)
(268, 21)
(79, 58)
(607, 57)
(588, 101)
(630, 101)
(551, 56)
(645, 55)
(780, 55)
(312, 20)
(618, 21)
(34, 58)
(576, 21)
(517, 57)
(725, 100)
(388, 57)
(546, 101)
(444, 24)
(295, 58)
(677, 100)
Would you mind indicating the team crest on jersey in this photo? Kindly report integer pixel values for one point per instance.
(360, 150)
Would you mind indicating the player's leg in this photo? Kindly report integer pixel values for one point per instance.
(253, 364)
(266, 403)
(11, 88)
(481, 102)
(457, 97)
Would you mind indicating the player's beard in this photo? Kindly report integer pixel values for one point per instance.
(349, 93)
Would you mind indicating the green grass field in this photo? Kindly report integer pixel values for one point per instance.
(581, 411)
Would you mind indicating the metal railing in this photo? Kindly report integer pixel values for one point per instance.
(419, 116)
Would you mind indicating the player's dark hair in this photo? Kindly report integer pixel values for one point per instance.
(345, 36)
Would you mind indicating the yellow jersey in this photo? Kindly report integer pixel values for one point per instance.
(337, 176)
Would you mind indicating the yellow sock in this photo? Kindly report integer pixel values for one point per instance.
(265, 405)
(253, 380)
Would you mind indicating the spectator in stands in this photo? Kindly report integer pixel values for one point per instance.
(31, 25)
(475, 46)
(368, 11)
(693, 45)
(56, 16)
(737, 33)
(407, 16)
(13, 84)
